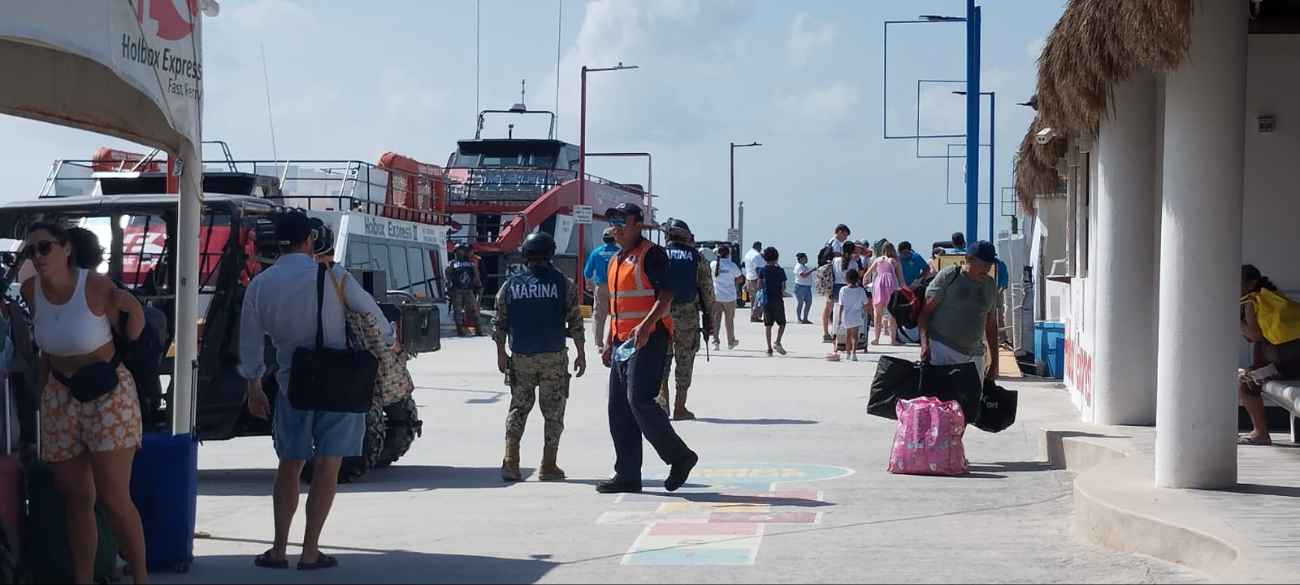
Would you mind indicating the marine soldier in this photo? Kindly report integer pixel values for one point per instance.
(536, 309)
(464, 290)
(692, 286)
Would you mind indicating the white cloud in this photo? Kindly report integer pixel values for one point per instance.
(804, 41)
(275, 15)
(817, 109)
(1035, 48)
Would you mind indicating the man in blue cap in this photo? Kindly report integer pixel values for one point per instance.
(959, 317)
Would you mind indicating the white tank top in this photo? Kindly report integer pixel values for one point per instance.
(70, 328)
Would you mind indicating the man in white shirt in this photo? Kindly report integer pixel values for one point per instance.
(753, 261)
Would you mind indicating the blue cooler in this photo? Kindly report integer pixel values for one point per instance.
(1049, 341)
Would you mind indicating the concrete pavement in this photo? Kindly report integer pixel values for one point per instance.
(791, 487)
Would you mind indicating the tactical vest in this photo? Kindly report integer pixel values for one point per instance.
(681, 272)
(462, 275)
(535, 310)
(631, 294)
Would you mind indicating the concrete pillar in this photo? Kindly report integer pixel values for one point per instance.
(1124, 377)
(1205, 101)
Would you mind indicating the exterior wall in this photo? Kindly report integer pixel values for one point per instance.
(1272, 209)
(1081, 319)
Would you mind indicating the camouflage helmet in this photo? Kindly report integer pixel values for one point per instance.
(539, 246)
(677, 229)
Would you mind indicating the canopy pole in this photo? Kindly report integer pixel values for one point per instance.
(184, 377)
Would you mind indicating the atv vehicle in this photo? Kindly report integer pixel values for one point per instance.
(137, 223)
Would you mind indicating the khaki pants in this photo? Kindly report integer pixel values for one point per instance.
(599, 313)
(755, 311)
(725, 310)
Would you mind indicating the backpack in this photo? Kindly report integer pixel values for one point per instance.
(905, 304)
(143, 355)
(825, 255)
(824, 280)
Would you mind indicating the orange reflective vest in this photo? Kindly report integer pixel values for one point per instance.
(631, 296)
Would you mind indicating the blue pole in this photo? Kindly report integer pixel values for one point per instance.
(993, 145)
(972, 120)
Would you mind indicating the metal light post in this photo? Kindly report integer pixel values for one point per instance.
(993, 144)
(582, 163)
(972, 21)
(732, 207)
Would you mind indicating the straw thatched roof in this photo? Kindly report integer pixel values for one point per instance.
(1035, 167)
(1096, 45)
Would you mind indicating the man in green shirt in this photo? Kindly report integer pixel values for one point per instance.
(959, 317)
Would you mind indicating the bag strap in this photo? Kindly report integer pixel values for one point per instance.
(320, 304)
(338, 289)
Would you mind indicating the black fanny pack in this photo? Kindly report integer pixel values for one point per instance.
(91, 382)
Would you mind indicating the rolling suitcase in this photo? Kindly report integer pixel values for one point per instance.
(164, 487)
(45, 530)
(11, 481)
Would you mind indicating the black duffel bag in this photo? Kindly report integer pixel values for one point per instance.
(997, 408)
(960, 382)
(332, 380)
(896, 379)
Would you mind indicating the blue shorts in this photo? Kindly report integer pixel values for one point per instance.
(835, 291)
(304, 434)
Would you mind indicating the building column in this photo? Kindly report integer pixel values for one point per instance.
(1205, 102)
(1124, 356)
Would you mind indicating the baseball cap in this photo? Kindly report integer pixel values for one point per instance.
(984, 251)
(608, 233)
(626, 209)
(293, 228)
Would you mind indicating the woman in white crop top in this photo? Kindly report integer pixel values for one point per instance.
(90, 414)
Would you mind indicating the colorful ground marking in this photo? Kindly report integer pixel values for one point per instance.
(720, 516)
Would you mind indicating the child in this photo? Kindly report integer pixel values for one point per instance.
(771, 278)
(852, 300)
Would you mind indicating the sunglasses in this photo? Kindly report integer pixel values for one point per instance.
(618, 221)
(43, 248)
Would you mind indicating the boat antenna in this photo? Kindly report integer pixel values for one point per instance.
(478, 27)
(270, 117)
(559, 36)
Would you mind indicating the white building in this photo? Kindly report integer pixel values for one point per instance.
(1172, 148)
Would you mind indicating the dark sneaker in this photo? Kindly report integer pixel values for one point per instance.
(618, 486)
(681, 471)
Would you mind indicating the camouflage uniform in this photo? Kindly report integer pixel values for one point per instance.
(546, 373)
(463, 302)
(686, 334)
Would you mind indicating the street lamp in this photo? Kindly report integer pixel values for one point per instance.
(993, 144)
(734, 146)
(582, 163)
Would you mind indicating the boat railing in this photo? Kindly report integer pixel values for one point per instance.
(509, 184)
(318, 185)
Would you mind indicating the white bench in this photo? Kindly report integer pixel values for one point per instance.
(1286, 393)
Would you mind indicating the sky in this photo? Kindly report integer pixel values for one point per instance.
(349, 80)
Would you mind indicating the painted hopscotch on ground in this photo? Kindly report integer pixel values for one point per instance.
(719, 517)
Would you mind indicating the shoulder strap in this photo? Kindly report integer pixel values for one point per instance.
(338, 288)
(320, 303)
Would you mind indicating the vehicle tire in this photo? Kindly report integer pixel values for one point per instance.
(372, 444)
(402, 425)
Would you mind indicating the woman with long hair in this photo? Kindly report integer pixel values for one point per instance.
(885, 275)
(90, 415)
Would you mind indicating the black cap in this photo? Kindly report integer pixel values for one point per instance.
(984, 251)
(293, 228)
(626, 209)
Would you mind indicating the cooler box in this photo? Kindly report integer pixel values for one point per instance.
(1049, 341)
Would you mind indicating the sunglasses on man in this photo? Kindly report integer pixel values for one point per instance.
(618, 221)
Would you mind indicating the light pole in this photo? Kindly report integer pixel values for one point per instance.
(582, 163)
(972, 21)
(993, 144)
(734, 146)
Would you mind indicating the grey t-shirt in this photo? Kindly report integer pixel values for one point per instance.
(958, 321)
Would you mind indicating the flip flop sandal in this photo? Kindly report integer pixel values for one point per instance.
(322, 562)
(265, 561)
(1250, 440)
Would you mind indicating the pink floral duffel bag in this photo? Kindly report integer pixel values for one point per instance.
(927, 438)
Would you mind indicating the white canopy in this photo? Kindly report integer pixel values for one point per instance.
(131, 69)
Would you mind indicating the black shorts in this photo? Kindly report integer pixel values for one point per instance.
(774, 314)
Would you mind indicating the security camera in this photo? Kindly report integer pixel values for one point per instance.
(1043, 136)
